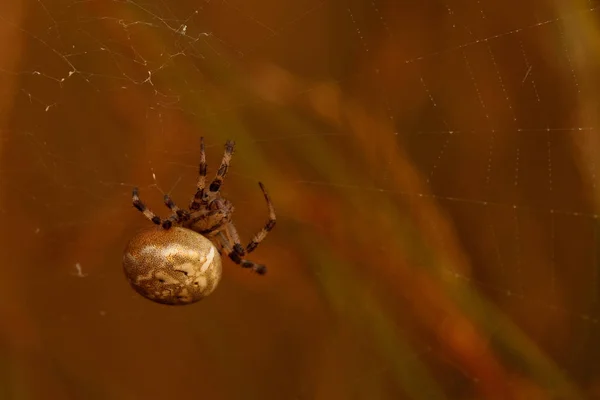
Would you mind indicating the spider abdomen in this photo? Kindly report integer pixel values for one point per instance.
(173, 266)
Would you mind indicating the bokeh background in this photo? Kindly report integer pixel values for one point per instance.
(433, 165)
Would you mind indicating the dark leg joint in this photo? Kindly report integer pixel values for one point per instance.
(156, 220)
(137, 204)
(258, 268)
(200, 196)
(215, 186)
(235, 257)
(167, 224)
(183, 215)
(239, 249)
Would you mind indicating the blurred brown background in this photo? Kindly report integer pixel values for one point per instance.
(433, 165)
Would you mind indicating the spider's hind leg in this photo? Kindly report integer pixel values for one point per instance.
(258, 268)
(236, 253)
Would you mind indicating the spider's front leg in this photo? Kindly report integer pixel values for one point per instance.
(177, 217)
(137, 203)
(215, 185)
(200, 197)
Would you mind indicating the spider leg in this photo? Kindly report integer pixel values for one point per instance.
(178, 215)
(199, 196)
(203, 214)
(259, 237)
(236, 258)
(137, 203)
(218, 181)
(233, 237)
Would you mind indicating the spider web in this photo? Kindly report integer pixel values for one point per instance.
(433, 165)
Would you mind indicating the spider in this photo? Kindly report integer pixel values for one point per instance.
(209, 213)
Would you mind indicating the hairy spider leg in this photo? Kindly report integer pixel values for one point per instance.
(236, 258)
(178, 215)
(137, 203)
(199, 196)
(234, 237)
(259, 237)
(218, 181)
(197, 216)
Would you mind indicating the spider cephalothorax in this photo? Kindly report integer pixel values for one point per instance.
(209, 214)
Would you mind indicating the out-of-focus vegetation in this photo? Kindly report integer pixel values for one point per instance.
(437, 230)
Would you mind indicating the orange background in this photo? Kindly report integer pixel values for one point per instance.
(433, 168)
